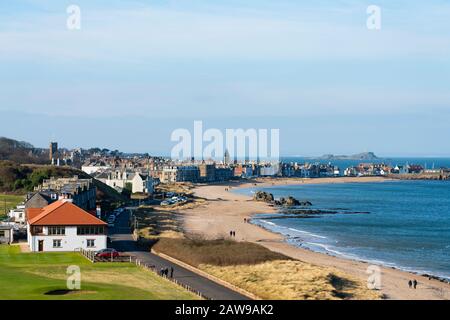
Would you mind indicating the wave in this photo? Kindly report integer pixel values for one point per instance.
(331, 250)
(308, 233)
(292, 229)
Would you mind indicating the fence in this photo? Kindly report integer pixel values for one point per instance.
(90, 255)
(152, 268)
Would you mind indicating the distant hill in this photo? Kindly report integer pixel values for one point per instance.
(21, 152)
(360, 156)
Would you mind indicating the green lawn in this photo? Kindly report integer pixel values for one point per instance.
(31, 275)
(8, 201)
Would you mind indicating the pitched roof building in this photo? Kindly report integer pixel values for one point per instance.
(62, 226)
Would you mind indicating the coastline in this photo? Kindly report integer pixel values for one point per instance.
(226, 211)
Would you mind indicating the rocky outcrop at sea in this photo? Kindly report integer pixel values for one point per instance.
(264, 196)
(291, 202)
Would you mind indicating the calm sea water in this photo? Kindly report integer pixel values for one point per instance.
(407, 224)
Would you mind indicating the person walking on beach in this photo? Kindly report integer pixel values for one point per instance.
(415, 283)
(410, 284)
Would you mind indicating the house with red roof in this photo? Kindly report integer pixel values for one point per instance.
(62, 226)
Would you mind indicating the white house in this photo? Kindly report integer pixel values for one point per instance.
(401, 169)
(94, 168)
(18, 214)
(62, 226)
(116, 179)
(142, 183)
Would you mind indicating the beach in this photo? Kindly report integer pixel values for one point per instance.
(224, 211)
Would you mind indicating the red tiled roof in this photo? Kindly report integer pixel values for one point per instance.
(62, 213)
(32, 212)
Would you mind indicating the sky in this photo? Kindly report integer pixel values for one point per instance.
(137, 70)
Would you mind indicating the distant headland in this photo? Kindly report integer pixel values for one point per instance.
(359, 156)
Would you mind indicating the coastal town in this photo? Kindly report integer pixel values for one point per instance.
(137, 176)
(99, 193)
(197, 159)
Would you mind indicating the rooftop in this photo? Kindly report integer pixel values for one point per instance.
(61, 213)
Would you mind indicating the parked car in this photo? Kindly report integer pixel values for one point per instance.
(107, 253)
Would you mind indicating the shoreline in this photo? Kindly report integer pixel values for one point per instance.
(384, 264)
(226, 210)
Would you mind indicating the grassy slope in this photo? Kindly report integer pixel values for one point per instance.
(11, 202)
(30, 275)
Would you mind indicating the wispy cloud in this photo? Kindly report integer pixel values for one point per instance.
(226, 59)
(155, 32)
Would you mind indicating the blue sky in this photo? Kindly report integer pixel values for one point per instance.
(139, 69)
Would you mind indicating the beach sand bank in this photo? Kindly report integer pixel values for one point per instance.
(225, 211)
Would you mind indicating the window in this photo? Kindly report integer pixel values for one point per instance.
(2, 233)
(91, 243)
(90, 230)
(56, 243)
(56, 231)
(37, 230)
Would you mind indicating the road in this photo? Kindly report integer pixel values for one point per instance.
(122, 241)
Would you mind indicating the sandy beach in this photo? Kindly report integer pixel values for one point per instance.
(225, 211)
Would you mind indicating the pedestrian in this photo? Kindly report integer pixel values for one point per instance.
(231, 233)
(410, 284)
(245, 220)
(171, 272)
(162, 272)
(415, 283)
(234, 234)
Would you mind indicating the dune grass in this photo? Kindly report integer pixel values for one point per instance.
(155, 223)
(292, 280)
(31, 275)
(266, 274)
(220, 252)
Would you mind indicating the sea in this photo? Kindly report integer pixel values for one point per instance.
(401, 224)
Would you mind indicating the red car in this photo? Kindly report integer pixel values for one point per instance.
(107, 253)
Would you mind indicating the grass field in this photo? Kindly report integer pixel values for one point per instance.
(8, 202)
(31, 275)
